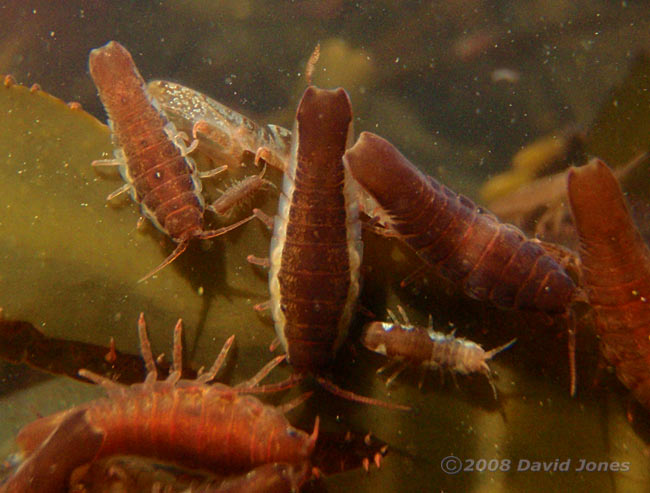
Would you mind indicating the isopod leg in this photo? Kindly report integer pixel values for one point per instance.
(294, 403)
(212, 172)
(207, 131)
(413, 276)
(124, 188)
(177, 354)
(107, 162)
(145, 350)
(395, 374)
(275, 343)
(216, 366)
(389, 364)
(274, 387)
(261, 375)
(261, 261)
(179, 139)
(260, 307)
(351, 396)
(204, 235)
(112, 388)
(182, 246)
(265, 218)
(490, 380)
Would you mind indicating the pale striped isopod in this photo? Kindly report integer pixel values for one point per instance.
(423, 347)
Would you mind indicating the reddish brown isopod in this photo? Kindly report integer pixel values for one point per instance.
(188, 422)
(150, 153)
(616, 272)
(316, 249)
(489, 260)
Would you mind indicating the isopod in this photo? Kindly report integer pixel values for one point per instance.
(267, 478)
(239, 193)
(423, 347)
(135, 475)
(616, 272)
(150, 153)
(489, 260)
(467, 245)
(48, 468)
(316, 248)
(223, 134)
(187, 422)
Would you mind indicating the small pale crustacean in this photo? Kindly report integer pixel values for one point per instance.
(414, 345)
(223, 134)
(240, 192)
(227, 137)
(150, 153)
(187, 422)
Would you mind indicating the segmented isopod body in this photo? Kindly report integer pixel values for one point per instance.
(268, 478)
(489, 260)
(188, 422)
(422, 346)
(316, 247)
(135, 475)
(616, 272)
(239, 192)
(150, 153)
(224, 134)
(50, 465)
